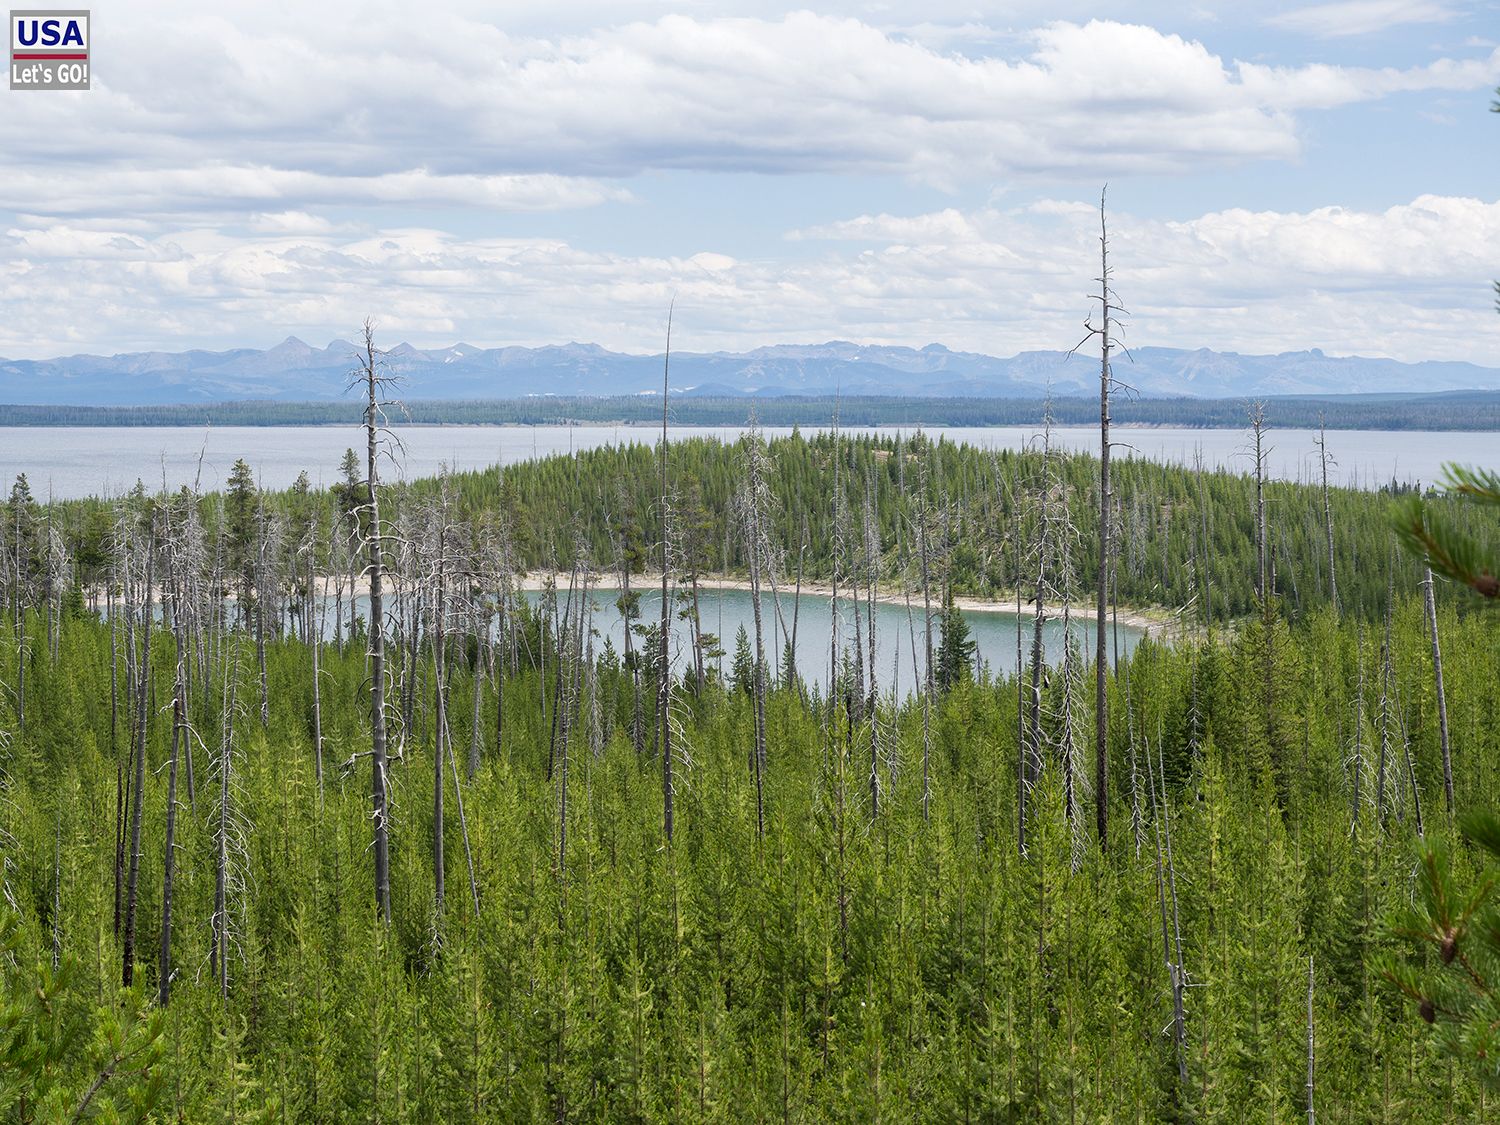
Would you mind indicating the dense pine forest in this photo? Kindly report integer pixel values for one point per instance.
(1181, 538)
(308, 813)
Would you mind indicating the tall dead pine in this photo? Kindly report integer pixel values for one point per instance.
(180, 735)
(440, 699)
(1312, 1116)
(1325, 459)
(1258, 428)
(369, 372)
(142, 689)
(753, 503)
(664, 680)
(1108, 307)
(928, 681)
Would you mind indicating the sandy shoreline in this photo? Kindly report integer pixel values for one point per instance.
(1154, 623)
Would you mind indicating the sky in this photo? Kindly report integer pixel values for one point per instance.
(1279, 176)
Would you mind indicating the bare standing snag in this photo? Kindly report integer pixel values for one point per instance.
(374, 375)
(1108, 306)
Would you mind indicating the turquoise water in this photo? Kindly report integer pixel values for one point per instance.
(899, 640)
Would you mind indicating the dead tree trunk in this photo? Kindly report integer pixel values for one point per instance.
(1359, 734)
(751, 517)
(369, 373)
(180, 734)
(1171, 928)
(1324, 461)
(1067, 738)
(57, 892)
(1048, 540)
(114, 744)
(856, 691)
(224, 829)
(1411, 777)
(872, 702)
(19, 617)
(440, 706)
(1442, 699)
(664, 671)
(181, 556)
(563, 758)
(191, 642)
(1023, 781)
(1070, 744)
(1311, 1058)
(1387, 674)
(500, 661)
(552, 630)
(317, 689)
(128, 591)
(410, 608)
(1107, 308)
(351, 555)
(928, 683)
(143, 681)
(697, 626)
(263, 596)
(463, 826)
(1205, 561)
(791, 657)
(756, 517)
(481, 647)
(1258, 425)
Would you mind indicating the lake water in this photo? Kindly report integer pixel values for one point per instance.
(899, 640)
(68, 462)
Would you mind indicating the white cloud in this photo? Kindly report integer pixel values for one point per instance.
(1320, 86)
(290, 222)
(948, 224)
(234, 174)
(235, 105)
(1410, 281)
(1361, 17)
(37, 190)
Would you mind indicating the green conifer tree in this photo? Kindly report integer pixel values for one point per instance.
(955, 655)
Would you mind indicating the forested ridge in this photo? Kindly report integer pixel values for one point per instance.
(1185, 538)
(623, 887)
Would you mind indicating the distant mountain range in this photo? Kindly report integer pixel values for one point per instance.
(293, 371)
